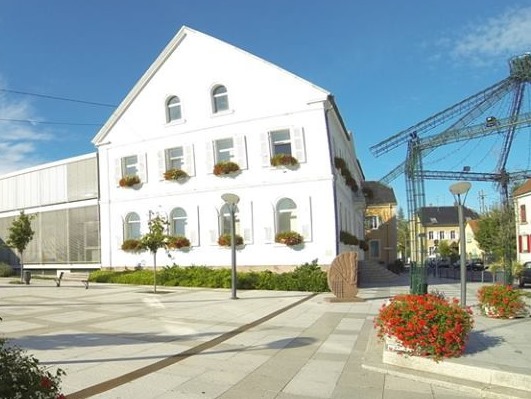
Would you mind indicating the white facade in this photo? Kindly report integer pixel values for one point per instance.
(170, 116)
(522, 199)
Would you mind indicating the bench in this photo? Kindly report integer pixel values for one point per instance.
(69, 276)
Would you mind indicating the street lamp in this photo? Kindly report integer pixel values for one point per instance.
(458, 190)
(232, 201)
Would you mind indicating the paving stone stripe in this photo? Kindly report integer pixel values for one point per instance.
(154, 367)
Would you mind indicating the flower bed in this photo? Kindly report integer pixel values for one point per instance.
(426, 325)
(501, 301)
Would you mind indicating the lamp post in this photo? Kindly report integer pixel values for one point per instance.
(458, 190)
(232, 201)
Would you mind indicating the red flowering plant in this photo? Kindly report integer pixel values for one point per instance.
(501, 301)
(426, 325)
(22, 376)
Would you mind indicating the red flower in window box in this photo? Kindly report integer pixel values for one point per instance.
(225, 168)
(290, 238)
(284, 160)
(129, 181)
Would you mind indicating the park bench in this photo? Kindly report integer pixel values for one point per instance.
(70, 276)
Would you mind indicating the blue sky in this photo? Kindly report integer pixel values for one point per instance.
(390, 64)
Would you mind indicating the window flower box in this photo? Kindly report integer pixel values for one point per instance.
(175, 175)
(347, 238)
(289, 238)
(226, 168)
(178, 242)
(132, 245)
(284, 160)
(224, 240)
(129, 181)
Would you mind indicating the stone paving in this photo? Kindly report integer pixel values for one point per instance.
(118, 341)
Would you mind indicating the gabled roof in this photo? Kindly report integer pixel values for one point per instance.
(523, 189)
(181, 35)
(381, 194)
(444, 215)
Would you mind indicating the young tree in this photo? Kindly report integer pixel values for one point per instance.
(496, 234)
(153, 240)
(402, 235)
(20, 235)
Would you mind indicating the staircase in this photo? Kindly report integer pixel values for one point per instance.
(374, 273)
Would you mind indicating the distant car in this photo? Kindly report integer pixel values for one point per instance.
(475, 264)
(525, 277)
(443, 262)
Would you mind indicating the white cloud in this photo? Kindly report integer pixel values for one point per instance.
(18, 140)
(503, 36)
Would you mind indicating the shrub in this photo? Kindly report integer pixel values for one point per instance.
(290, 238)
(307, 277)
(175, 174)
(284, 160)
(428, 325)
(225, 167)
(132, 245)
(177, 242)
(340, 163)
(129, 181)
(6, 270)
(23, 377)
(499, 300)
(225, 240)
(364, 246)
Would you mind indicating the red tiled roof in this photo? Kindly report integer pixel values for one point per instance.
(523, 189)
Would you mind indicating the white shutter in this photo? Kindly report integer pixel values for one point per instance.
(162, 164)
(269, 229)
(264, 149)
(210, 157)
(188, 155)
(246, 222)
(142, 167)
(193, 226)
(240, 151)
(117, 171)
(305, 215)
(298, 144)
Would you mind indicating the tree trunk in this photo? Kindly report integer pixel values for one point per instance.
(155, 272)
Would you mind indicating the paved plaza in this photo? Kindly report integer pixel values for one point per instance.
(117, 341)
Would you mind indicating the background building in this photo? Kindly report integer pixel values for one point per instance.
(63, 197)
(522, 200)
(380, 222)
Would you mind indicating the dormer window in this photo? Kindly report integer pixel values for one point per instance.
(220, 99)
(173, 109)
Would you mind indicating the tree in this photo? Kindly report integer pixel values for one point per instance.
(402, 235)
(20, 235)
(153, 240)
(496, 234)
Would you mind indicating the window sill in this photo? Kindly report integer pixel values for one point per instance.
(175, 122)
(222, 113)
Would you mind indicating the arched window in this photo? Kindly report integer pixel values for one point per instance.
(173, 109)
(132, 226)
(178, 222)
(225, 220)
(220, 99)
(286, 215)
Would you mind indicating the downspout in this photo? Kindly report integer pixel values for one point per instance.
(332, 167)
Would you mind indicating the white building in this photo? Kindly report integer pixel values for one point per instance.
(204, 101)
(522, 199)
(201, 102)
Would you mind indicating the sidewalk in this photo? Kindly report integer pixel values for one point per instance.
(124, 342)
